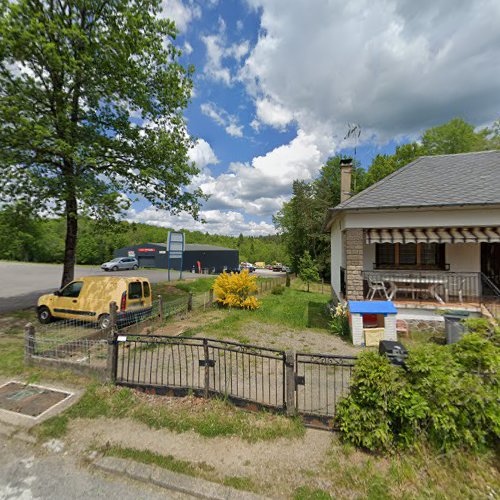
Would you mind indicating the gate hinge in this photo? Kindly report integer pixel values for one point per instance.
(207, 362)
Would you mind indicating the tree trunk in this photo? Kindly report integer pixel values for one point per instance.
(71, 238)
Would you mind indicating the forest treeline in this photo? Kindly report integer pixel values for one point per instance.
(27, 237)
(300, 221)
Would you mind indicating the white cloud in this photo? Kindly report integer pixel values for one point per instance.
(180, 12)
(203, 154)
(272, 113)
(392, 66)
(187, 49)
(217, 221)
(222, 118)
(218, 51)
(260, 188)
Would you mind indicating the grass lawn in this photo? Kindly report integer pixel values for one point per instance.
(209, 418)
(294, 309)
(199, 285)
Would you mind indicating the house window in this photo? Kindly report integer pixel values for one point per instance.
(386, 255)
(410, 256)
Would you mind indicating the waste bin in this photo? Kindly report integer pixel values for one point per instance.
(453, 325)
(395, 351)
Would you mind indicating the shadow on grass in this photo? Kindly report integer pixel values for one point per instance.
(317, 315)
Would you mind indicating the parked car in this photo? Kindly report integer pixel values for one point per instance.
(233, 270)
(121, 263)
(88, 299)
(250, 267)
(278, 268)
(269, 267)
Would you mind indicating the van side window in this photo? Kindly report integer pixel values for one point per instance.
(135, 290)
(72, 290)
(147, 291)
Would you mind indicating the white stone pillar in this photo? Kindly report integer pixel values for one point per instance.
(390, 332)
(358, 337)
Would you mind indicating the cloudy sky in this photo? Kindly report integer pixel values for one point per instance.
(278, 81)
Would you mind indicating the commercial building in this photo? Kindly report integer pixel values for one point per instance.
(211, 259)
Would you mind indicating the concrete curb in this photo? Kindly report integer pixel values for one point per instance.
(158, 476)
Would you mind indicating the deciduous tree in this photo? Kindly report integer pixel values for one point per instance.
(91, 101)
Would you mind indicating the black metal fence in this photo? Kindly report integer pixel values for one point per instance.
(176, 365)
(248, 375)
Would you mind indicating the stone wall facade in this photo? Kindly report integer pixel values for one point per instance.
(425, 325)
(354, 263)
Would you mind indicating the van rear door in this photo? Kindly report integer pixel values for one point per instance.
(135, 298)
(147, 293)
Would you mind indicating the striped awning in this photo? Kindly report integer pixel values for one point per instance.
(434, 235)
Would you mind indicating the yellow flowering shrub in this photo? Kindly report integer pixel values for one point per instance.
(235, 290)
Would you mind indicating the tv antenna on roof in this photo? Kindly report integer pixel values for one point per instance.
(353, 132)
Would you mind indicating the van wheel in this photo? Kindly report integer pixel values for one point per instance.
(44, 315)
(104, 321)
(135, 268)
(114, 268)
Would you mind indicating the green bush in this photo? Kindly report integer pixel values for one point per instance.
(446, 395)
(278, 290)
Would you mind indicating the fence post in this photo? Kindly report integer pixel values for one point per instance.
(207, 373)
(322, 282)
(290, 382)
(211, 297)
(160, 307)
(29, 343)
(112, 361)
(190, 301)
(287, 282)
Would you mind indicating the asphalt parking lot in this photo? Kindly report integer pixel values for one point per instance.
(22, 283)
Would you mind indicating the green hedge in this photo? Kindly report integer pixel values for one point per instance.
(446, 395)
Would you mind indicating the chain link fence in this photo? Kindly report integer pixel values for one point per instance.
(85, 342)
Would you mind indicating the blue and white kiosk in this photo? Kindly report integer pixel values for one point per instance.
(372, 321)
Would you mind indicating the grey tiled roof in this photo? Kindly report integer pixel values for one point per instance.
(460, 179)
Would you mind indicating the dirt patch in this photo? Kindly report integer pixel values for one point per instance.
(271, 463)
(187, 322)
(14, 322)
(283, 338)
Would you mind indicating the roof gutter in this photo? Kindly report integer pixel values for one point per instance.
(333, 212)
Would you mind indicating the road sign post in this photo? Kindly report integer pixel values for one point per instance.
(176, 242)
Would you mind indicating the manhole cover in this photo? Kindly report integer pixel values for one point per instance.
(27, 399)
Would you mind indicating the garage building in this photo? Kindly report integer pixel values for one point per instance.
(213, 259)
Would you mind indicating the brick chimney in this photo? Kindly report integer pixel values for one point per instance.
(345, 179)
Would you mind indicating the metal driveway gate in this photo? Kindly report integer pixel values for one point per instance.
(246, 374)
(321, 382)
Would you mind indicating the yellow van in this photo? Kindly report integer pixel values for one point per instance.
(88, 299)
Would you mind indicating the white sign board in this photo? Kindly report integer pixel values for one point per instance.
(175, 243)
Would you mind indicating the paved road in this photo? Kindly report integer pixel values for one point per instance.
(28, 474)
(23, 283)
